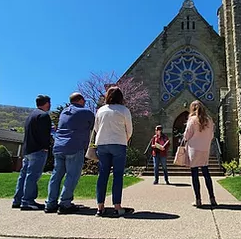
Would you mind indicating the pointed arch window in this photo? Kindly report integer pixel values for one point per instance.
(193, 25)
(188, 22)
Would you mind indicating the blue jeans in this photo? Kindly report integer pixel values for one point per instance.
(196, 183)
(32, 168)
(111, 155)
(71, 165)
(157, 160)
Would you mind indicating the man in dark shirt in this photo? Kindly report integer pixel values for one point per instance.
(35, 150)
(71, 140)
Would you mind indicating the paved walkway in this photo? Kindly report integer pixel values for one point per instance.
(161, 211)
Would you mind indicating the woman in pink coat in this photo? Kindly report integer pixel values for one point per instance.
(199, 134)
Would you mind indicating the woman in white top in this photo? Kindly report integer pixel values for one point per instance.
(199, 135)
(113, 127)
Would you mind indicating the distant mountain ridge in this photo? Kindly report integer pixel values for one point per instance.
(13, 116)
(14, 106)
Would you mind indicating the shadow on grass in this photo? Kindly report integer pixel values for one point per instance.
(235, 207)
(130, 214)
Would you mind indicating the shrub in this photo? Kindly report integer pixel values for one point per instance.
(133, 155)
(90, 167)
(134, 171)
(232, 167)
(6, 163)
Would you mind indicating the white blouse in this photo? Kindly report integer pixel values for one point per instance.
(113, 125)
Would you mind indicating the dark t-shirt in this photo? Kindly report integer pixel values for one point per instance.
(37, 132)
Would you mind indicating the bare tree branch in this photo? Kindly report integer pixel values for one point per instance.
(135, 94)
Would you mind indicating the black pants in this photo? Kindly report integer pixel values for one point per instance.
(196, 183)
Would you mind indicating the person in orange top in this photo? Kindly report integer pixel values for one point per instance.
(160, 146)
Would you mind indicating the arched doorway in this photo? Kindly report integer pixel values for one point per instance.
(178, 129)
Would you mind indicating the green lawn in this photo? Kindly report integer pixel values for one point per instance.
(233, 185)
(85, 188)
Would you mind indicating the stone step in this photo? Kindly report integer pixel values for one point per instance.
(174, 170)
(182, 173)
(170, 164)
(170, 160)
(173, 167)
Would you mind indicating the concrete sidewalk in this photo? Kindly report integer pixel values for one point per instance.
(161, 211)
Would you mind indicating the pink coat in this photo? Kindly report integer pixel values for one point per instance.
(198, 143)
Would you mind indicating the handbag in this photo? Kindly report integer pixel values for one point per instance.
(91, 151)
(181, 157)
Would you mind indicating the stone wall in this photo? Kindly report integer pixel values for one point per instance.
(231, 122)
(236, 20)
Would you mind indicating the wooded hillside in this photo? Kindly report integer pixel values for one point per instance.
(13, 116)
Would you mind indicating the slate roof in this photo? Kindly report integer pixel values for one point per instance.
(11, 136)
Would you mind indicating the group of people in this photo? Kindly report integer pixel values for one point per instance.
(198, 136)
(113, 127)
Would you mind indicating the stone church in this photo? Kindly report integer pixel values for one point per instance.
(189, 60)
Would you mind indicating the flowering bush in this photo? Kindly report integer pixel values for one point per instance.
(232, 167)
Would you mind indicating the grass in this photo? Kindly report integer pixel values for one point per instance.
(233, 185)
(84, 190)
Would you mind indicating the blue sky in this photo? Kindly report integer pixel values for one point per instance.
(48, 46)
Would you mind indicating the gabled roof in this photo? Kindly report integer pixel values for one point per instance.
(11, 136)
(187, 4)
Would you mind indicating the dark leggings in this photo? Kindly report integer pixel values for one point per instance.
(196, 183)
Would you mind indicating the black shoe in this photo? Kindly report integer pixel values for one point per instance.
(32, 207)
(68, 210)
(198, 203)
(155, 182)
(16, 205)
(167, 183)
(213, 202)
(100, 213)
(51, 210)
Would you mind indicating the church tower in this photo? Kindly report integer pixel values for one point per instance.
(230, 111)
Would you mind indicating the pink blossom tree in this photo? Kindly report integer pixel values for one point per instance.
(135, 94)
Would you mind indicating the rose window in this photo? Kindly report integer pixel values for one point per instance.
(188, 69)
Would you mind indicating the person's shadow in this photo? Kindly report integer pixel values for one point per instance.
(130, 214)
(180, 184)
(235, 207)
(147, 215)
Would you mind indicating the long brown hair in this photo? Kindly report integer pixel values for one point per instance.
(197, 108)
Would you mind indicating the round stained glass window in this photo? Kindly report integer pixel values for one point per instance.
(188, 69)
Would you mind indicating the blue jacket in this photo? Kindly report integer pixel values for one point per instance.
(73, 130)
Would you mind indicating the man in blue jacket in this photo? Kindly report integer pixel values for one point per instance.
(71, 140)
(35, 150)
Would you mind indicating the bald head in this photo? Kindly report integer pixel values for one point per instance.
(77, 98)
